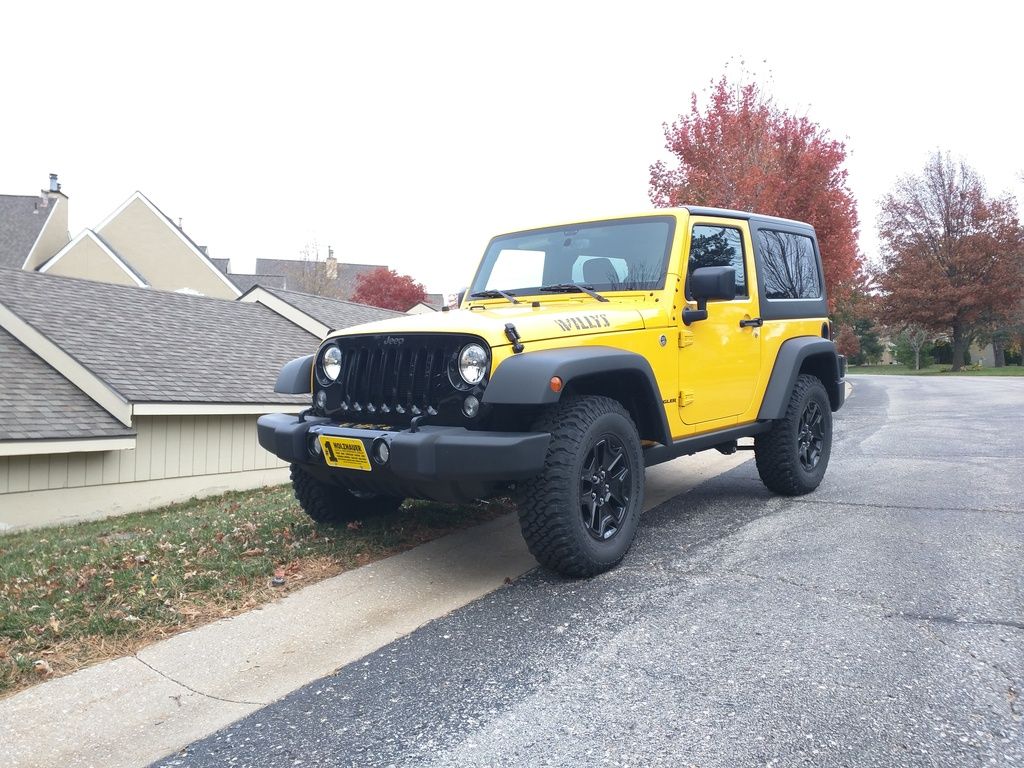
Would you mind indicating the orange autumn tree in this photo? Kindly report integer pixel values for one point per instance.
(743, 151)
(954, 256)
(383, 287)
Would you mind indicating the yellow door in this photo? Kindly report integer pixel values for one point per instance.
(719, 359)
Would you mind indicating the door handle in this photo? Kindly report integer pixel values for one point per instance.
(757, 322)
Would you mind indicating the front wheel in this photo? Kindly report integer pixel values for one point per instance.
(580, 515)
(792, 457)
(333, 505)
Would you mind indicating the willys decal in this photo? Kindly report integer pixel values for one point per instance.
(583, 322)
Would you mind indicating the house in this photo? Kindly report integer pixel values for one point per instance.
(323, 278)
(33, 228)
(138, 245)
(114, 399)
(317, 315)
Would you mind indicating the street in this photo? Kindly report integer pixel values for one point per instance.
(876, 622)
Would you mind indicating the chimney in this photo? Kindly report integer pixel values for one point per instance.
(52, 191)
(332, 264)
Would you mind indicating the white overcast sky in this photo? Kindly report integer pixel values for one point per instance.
(407, 134)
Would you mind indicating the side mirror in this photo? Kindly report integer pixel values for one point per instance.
(709, 284)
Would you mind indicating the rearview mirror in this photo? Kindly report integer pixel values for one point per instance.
(709, 284)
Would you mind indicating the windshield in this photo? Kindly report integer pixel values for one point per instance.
(623, 255)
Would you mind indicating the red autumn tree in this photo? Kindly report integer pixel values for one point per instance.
(386, 288)
(743, 151)
(954, 256)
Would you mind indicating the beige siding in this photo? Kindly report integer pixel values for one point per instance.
(167, 447)
(145, 240)
(86, 259)
(53, 237)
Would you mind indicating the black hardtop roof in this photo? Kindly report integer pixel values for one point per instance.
(696, 210)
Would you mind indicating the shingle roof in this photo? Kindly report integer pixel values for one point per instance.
(334, 313)
(293, 269)
(245, 282)
(21, 220)
(157, 346)
(37, 403)
(221, 264)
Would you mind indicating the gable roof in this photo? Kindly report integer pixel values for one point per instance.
(103, 245)
(327, 314)
(199, 252)
(22, 218)
(37, 403)
(160, 347)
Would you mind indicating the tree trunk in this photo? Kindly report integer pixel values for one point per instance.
(998, 353)
(960, 344)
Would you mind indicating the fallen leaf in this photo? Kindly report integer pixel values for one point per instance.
(54, 625)
(254, 552)
(355, 525)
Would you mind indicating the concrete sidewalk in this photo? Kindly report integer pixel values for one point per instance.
(134, 710)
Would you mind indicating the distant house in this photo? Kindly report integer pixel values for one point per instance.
(33, 227)
(114, 399)
(323, 278)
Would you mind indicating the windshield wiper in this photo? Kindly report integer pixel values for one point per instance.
(573, 288)
(494, 293)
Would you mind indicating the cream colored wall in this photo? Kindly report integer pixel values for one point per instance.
(53, 236)
(86, 259)
(171, 451)
(140, 237)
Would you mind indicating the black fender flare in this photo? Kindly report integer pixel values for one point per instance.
(296, 377)
(814, 351)
(525, 379)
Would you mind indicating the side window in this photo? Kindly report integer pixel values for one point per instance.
(716, 246)
(790, 266)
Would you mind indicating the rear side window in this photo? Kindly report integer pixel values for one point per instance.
(715, 246)
(790, 266)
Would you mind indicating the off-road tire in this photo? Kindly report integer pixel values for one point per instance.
(777, 452)
(550, 505)
(333, 505)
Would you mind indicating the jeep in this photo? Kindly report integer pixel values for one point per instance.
(580, 354)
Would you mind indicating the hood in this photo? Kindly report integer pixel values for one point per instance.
(556, 319)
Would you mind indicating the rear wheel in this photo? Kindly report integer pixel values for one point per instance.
(333, 505)
(793, 456)
(580, 515)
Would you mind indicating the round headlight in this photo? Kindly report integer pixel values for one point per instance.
(473, 363)
(330, 363)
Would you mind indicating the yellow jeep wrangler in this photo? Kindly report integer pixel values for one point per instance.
(581, 354)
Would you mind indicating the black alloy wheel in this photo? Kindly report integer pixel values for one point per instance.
(605, 487)
(811, 435)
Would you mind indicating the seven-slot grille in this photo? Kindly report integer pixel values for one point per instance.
(392, 382)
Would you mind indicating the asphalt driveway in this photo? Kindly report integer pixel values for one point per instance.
(879, 621)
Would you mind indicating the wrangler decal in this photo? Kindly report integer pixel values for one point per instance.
(583, 322)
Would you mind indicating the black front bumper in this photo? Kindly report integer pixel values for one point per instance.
(444, 463)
